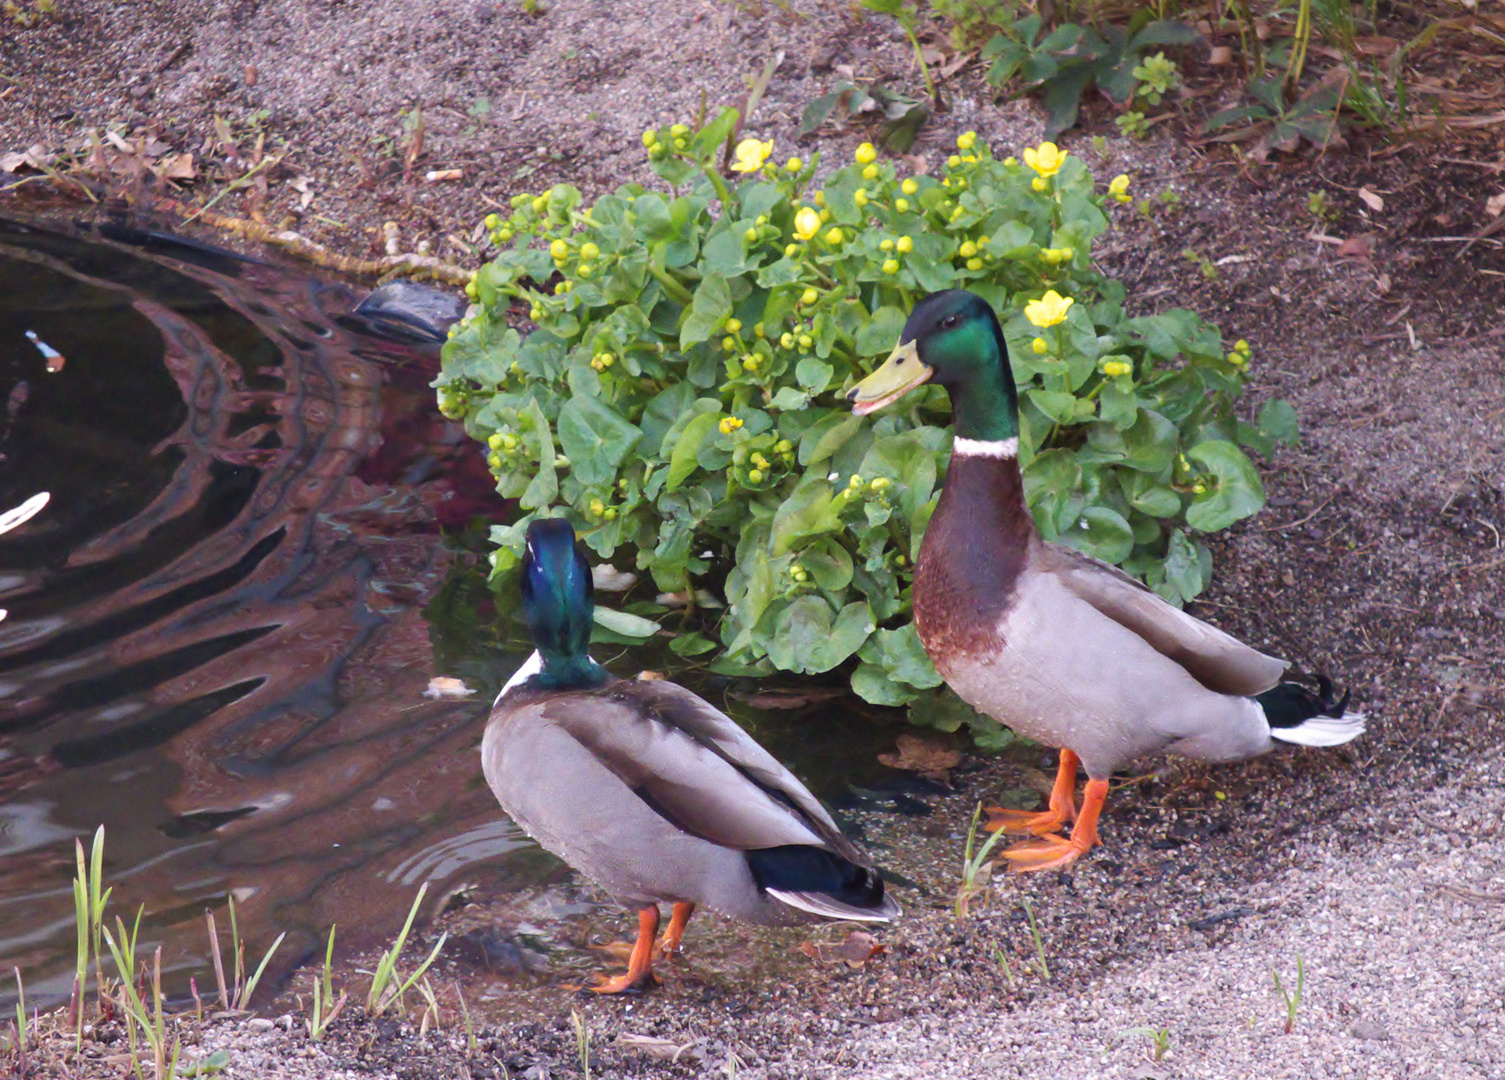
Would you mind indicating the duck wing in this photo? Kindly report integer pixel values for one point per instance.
(1216, 660)
(695, 767)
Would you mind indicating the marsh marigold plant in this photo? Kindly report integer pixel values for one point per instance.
(680, 399)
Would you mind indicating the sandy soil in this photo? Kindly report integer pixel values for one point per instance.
(1380, 867)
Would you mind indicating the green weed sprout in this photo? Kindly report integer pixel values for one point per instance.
(323, 1012)
(387, 986)
(1160, 1039)
(974, 880)
(682, 392)
(1291, 999)
(1034, 931)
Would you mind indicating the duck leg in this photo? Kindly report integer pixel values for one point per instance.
(676, 928)
(1055, 851)
(1062, 806)
(640, 964)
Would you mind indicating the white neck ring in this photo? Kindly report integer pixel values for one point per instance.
(999, 448)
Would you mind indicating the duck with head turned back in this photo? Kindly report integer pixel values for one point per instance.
(1062, 648)
(651, 792)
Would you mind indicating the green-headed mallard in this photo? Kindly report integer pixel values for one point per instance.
(1063, 648)
(652, 792)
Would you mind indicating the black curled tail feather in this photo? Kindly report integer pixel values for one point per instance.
(1291, 704)
(806, 869)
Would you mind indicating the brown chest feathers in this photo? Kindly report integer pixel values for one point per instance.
(974, 550)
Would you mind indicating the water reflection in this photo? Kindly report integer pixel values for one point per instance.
(221, 625)
(215, 641)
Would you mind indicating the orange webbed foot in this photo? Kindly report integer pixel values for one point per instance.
(1024, 822)
(1055, 852)
(1051, 852)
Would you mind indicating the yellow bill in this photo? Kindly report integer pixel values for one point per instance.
(900, 373)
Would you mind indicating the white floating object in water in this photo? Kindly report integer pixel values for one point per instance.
(14, 519)
(607, 578)
(54, 358)
(442, 686)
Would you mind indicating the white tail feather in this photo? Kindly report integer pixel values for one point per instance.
(1323, 730)
(826, 908)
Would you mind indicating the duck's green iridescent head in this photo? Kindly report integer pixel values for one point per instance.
(557, 599)
(952, 339)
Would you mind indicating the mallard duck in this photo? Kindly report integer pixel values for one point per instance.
(651, 792)
(1060, 647)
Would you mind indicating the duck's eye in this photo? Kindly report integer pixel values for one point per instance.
(948, 322)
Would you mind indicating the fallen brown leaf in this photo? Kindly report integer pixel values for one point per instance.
(1371, 200)
(790, 699)
(1356, 247)
(926, 755)
(855, 950)
(1494, 206)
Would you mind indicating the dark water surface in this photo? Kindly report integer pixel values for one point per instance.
(221, 625)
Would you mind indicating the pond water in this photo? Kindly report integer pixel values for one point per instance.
(259, 543)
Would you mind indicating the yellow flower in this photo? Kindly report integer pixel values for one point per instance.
(966, 140)
(974, 264)
(860, 197)
(1119, 185)
(1114, 368)
(1010, 161)
(1039, 183)
(870, 173)
(1046, 159)
(820, 198)
(890, 266)
(589, 251)
(751, 154)
(953, 161)
(901, 205)
(806, 223)
(729, 424)
(560, 250)
(910, 186)
(1049, 310)
(794, 165)
(967, 250)
(1040, 346)
(834, 236)
(809, 297)
(866, 154)
(905, 245)
(791, 250)
(733, 326)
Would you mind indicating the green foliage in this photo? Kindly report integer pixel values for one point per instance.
(1156, 77)
(1065, 62)
(681, 400)
(31, 14)
(1321, 208)
(903, 116)
(1313, 117)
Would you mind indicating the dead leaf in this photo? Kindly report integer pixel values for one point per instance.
(1371, 200)
(1220, 55)
(923, 754)
(178, 167)
(115, 140)
(650, 676)
(442, 686)
(1356, 247)
(855, 950)
(790, 699)
(1494, 206)
(655, 1047)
